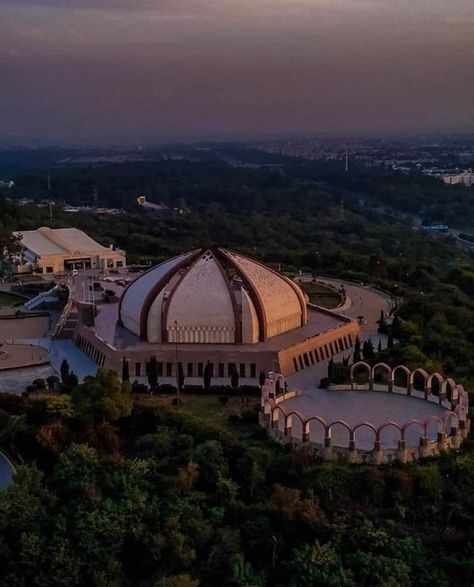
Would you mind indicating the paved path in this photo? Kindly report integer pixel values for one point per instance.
(355, 407)
(60, 349)
(365, 301)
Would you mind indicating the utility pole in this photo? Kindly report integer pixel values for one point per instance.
(347, 158)
(50, 212)
(95, 197)
(343, 212)
(49, 182)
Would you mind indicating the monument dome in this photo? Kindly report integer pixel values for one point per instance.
(212, 297)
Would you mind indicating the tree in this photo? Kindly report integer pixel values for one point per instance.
(317, 565)
(52, 381)
(357, 355)
(207, 376)
(330, 367)
(382, 323)
(153, 373)
(390, 341)
(10, 245)
(64, 370)
(368, 350)
(379, 346)
(125, 370)
(103, 397)
(180, 377)
(396, 327)
(234, 378)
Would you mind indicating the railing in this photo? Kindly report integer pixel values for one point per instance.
(45, 296)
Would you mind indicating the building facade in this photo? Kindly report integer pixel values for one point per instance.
(48, 250)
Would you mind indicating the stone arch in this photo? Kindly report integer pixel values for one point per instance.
(364, 443)
(267, 407)
(424, 374)
(294, 426)
(384, 368)
(461, 412)
(344, 425)
(278, 416)
(365, 367)
(455, 395)
(447, 387)
(278, 383)
(386, 426)
(439, 427)
(450, 420)
(307, 427)
(404, 369)
(439, 381)
(408, 435)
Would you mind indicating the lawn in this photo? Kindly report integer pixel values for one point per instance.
(8, 300)
(209, 409)
(322, 295)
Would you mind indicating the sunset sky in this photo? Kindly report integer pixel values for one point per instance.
(132, 71)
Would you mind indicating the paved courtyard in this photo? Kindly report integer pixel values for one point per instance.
(355, 407)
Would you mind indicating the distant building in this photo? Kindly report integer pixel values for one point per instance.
(466, 178)
(142, 201)
(63, 249)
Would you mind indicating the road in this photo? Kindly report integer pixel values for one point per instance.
(365, 301)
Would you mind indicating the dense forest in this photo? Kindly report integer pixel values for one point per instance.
(122, 492)
(118, 488)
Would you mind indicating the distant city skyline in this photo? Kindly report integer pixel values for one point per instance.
(153, 71)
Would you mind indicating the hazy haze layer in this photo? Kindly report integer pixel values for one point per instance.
(143, 70)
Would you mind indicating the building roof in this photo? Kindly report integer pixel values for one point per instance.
(60, 241)
(209, 296)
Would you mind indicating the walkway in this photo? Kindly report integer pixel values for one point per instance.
(60, 349)
(355, 407)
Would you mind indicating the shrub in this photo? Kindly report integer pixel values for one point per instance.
(167, 389)
(324, 383)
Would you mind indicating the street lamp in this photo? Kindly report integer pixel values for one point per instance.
(177, 364)
(316, 265)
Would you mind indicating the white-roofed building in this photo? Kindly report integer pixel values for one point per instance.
(53, 250)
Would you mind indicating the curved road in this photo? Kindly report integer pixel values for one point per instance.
(366, 301)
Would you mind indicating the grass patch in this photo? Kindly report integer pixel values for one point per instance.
(322, 295)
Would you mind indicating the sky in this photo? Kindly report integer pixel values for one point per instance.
(150, 71)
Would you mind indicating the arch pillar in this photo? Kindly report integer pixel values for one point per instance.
(275, 419)
(352, 446)
(305, 437)
(456, 436)
(352, 383)
(390, 383)
(377, 452)
(288, 426)
(327, 449)
(441, 441)
(371, 382)
(402, 451)
(423, 446)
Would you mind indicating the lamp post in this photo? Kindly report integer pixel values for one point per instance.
(422, 319)
(177, 365)
(316, 267)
